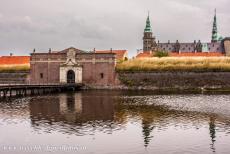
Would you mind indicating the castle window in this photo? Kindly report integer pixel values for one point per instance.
(217, 49)
(41, 75)
(102, 75)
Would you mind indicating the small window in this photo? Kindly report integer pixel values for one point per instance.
(41, 75)
(102, 75)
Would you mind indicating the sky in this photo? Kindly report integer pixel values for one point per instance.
(105, 24)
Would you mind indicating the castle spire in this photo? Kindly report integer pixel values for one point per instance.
(148, 27)
(214, 29)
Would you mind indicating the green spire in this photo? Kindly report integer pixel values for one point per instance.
(214, 30)
(148, 27)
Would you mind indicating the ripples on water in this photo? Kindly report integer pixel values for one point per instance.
(118, 122)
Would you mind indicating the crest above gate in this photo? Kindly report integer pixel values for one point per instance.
(71, 56)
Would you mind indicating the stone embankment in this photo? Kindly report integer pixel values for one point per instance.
(175, 81)
(14, 78)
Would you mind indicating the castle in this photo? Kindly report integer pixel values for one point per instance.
(217, 44)
(72, 66)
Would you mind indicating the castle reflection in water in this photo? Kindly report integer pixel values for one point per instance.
(74, 113)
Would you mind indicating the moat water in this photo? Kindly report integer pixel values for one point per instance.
(116, 122)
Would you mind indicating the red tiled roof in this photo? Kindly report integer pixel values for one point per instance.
(14, 60)
(184, 54)
(146, 54)
(121, 54)
(198, 54)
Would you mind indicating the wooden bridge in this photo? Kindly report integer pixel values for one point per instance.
(8, 90)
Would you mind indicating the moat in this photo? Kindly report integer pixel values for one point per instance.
(109, 122)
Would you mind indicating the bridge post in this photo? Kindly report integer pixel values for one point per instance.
(4, 93)
(32, 91)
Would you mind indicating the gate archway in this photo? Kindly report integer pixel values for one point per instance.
(70, 76)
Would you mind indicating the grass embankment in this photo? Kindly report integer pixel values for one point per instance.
(14, 68)
(214, 64)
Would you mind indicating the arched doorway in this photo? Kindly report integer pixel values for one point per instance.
(70, 76)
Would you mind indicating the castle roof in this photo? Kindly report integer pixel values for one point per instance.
(148, 27)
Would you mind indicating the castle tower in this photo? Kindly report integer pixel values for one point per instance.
(149, 43)
(214, 30)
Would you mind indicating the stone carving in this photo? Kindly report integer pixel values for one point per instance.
(71, 56)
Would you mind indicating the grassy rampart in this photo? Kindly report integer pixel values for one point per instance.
(207, 64)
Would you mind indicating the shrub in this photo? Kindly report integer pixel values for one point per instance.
(161, 54)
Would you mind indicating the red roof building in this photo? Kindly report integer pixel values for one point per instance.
(120, 54)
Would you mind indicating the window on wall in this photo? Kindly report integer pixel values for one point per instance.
(102, 75)
(41, 75)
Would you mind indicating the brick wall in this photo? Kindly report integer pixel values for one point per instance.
(98, 69)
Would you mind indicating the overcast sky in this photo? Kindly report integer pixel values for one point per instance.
(105, 24)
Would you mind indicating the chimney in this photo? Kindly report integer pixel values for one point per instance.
(168, 41)
(94, 50)
(34, 50)
(49, 50)
(111, 50)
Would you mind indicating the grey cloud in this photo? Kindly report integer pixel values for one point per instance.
(103, 24)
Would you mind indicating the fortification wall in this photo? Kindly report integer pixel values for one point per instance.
(14, 78)
(174, 80)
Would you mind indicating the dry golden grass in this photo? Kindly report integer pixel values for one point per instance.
(176, 64)
(14, 68)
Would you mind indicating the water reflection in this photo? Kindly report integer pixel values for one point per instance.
(87, 113)
(212, 129)
(73, 112)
